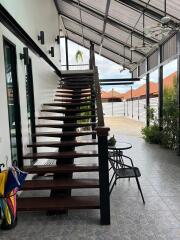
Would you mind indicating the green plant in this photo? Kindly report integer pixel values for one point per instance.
(112, 141)
(170, 116)
(167, 136)
(152, 134)
(79, 56)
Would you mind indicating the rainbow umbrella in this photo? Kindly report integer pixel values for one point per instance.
(12, 183)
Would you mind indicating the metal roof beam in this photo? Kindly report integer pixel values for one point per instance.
(117, 83)
(104, 24)
(113, 22)
(109, 58)
(119, 80)
(88, 39)
(150, 11)
(99, 33)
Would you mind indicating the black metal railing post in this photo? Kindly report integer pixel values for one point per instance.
(93, 102)
(102, 133)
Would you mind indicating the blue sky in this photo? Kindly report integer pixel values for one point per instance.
(108, 69)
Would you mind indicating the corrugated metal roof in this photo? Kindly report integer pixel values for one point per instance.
(86, 18)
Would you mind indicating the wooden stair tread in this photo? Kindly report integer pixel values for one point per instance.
(84, 80)
(62, 168)
(73, 95)
(68, 110)
(79, 85)
(57, 203)
(64, 125)
(59, 155)
(74, 88)
(68, 104)
(63, 143)
(62, 118)
(65, 133)
(68, 100)
(60, 184)
(71, 92)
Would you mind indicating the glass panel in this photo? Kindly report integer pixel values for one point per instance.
(154, 92)
(170, 81)
(9, 71)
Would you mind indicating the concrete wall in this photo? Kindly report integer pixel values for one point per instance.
(33, 16)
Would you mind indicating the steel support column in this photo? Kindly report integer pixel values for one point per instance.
(160, 83)
(178, 91)
(67, 55)
(147, 100)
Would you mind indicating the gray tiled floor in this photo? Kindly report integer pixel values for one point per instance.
(159, 219)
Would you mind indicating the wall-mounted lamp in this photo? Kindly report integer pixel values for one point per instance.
(57, 39)
(51, 52)
(25, 56)
(41, 37)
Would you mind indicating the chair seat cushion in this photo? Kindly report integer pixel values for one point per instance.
(128, 172)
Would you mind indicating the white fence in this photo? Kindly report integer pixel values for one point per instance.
(135, 109)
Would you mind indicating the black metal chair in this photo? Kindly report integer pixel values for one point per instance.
(122, 170)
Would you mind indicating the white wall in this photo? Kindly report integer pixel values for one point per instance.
(34, 15)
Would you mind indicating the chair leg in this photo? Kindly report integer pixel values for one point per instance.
(112, 188)
(112, 178)
(139, 187)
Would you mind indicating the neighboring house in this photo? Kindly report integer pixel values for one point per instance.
(140, 92)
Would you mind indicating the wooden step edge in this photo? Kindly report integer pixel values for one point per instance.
(66, 125)
(60, 155)
(63, 168)
(62, 143)
(60, 184)
(61, 134)
(57, 203)
(67, 104)
(68, 110)
(58, 118)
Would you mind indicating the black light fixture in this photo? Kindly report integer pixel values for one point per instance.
(25, 56)
(41, 37)
(57, 39)
(51, 52)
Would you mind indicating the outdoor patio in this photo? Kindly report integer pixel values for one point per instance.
(130, 219)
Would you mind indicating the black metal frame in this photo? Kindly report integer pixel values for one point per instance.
(17, 111)
(119, 80)
(67, 55)
(30, 86)
(147, 100)
(178, 91)
(117, 83)
(104, 22)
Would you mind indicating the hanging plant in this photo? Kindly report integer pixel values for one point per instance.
(79, 56)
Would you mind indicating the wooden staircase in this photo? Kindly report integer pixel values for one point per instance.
(73, 111)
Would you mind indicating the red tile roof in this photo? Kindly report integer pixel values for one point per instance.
(140, 91)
